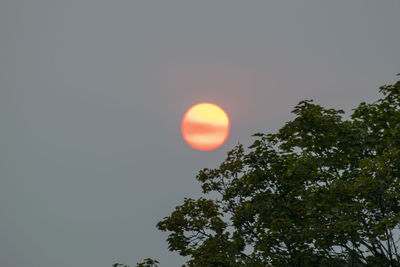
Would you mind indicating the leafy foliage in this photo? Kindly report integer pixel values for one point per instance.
(145, 263)
(322, 191)
(148, 263)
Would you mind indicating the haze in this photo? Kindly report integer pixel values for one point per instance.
(92, 94)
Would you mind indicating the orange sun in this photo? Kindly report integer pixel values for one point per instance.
(205, 126)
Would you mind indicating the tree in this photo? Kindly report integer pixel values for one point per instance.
(322, 191)
(145, 263)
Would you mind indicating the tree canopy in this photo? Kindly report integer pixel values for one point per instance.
(321, 191)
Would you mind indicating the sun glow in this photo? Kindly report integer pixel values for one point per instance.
(205, 126)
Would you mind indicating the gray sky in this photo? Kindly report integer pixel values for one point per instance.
(92, 94)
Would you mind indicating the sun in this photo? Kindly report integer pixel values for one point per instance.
(205, 126)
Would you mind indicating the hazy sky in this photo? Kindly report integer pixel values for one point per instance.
(92, 93)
